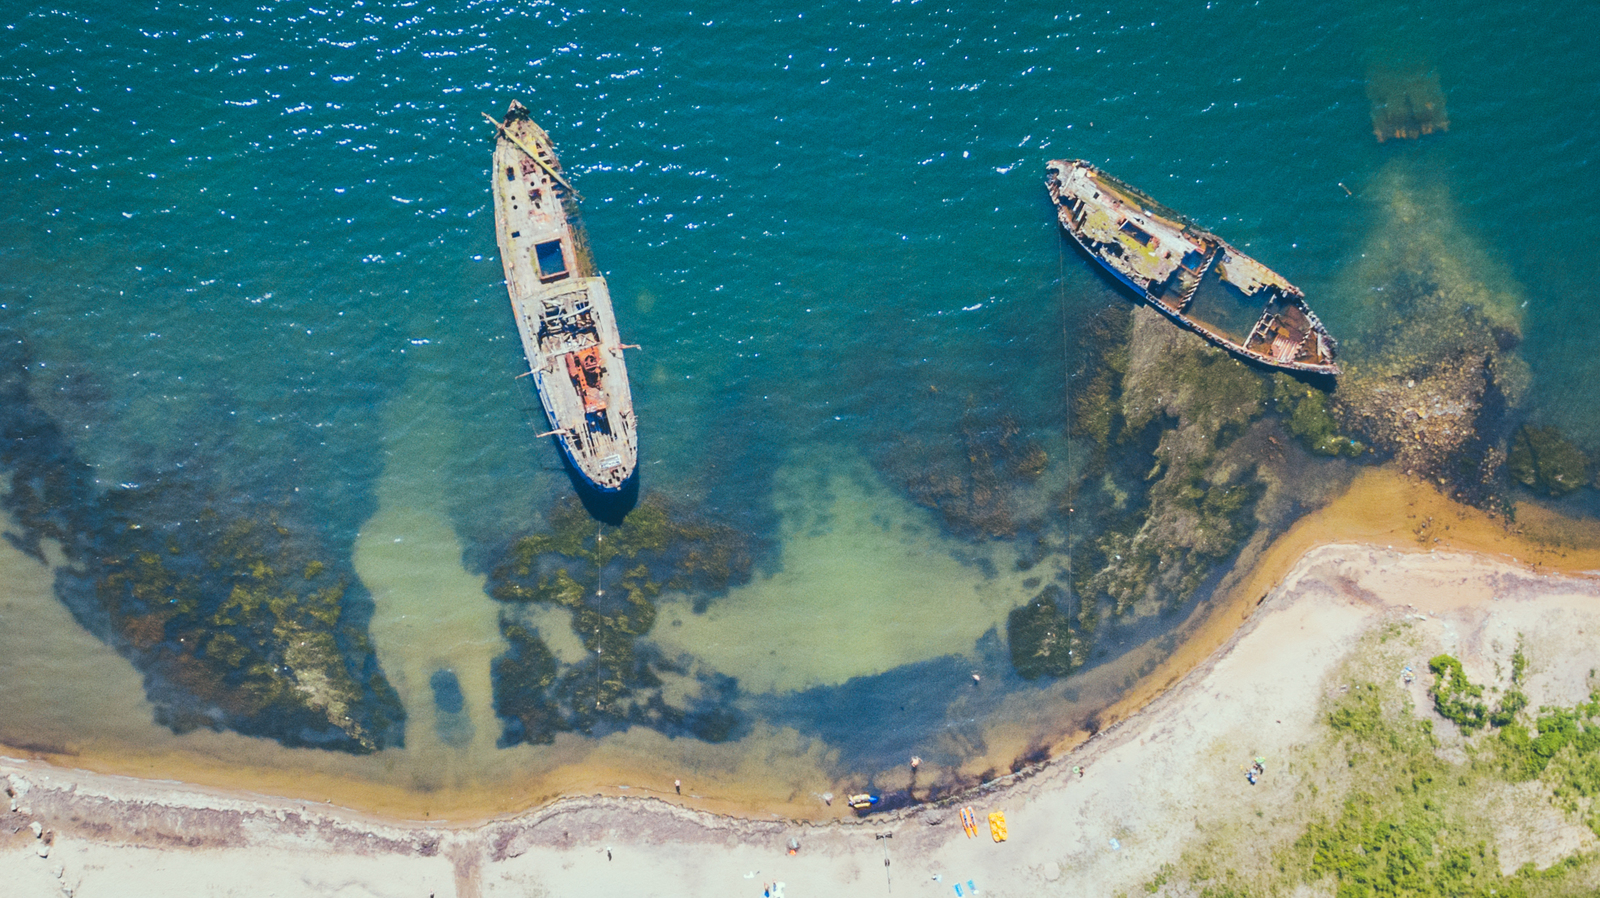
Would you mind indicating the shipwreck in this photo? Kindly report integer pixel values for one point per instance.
(562, 306)
(1189, 274)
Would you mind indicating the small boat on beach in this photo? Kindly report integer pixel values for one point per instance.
(1189, 274)
(562, 306)
(997, 826)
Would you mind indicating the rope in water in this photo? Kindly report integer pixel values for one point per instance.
(1066, 393)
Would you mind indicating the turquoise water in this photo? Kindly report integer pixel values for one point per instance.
(251, 245)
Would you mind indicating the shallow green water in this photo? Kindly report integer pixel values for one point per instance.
(251, 247)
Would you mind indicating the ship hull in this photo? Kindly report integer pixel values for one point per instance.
(1170, 263)
(562, 308)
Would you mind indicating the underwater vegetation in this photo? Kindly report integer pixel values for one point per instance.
(608, 578)
(235, 619)
(1183, 448)
(1544, 461)
(1095, 410)
(1041, 637)
(243, 627)
(974, 479)
(1309, 418)
(1179, 498)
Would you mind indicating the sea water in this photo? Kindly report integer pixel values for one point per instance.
(255, 239)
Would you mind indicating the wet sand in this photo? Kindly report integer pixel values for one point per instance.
(1146, 781)
(1380, 508)
(1303, 607)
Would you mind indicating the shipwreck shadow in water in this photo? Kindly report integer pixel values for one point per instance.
(605, 507)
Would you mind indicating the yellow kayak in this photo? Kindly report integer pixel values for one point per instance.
(969, 822)
(997, 825)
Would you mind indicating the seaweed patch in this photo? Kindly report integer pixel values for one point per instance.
(608, 579)
(236, 619)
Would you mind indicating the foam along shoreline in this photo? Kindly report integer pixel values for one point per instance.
(1143, 781)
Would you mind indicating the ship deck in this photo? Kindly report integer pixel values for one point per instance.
(562, 308)
(1189, 274)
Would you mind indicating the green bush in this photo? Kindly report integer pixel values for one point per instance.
(1454, 696)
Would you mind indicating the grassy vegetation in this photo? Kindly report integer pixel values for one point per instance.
(1455, 698)
(1381, 810)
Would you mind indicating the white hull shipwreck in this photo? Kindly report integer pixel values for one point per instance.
(1188, 273)
(562, 307)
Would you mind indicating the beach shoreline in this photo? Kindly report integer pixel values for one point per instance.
(1380, 507)
(1135, 787)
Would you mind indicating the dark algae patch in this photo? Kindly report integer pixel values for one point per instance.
(237, 619)
(976, 478)
(1308, 416)
(1546, 462)
(608, 579)
(1171, 491)
(247, 632)
(1041, 637)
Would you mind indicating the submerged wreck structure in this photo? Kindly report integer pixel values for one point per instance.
(1189, 274)
(1406, 103)
(562, 306)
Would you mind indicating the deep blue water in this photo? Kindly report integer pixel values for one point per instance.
(234, 235)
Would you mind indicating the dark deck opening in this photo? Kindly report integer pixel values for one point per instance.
(551, 263)
(1221, 306)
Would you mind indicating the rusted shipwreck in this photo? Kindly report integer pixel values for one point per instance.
(1188, 273)
(562, 306)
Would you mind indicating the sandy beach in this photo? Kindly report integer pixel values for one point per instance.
(1146, 784)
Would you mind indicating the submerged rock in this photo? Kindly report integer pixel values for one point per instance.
(1544, 461)
(1186, 462)
(1199, 496)
(1431, 367)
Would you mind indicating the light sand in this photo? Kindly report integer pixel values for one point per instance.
(1147, 781)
